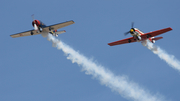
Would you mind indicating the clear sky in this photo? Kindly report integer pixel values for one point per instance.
(32, 70)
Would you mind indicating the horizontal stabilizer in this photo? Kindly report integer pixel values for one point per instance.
(157, 38)
(60, 32)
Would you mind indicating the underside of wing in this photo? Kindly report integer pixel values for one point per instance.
(155, 33)
(58, 26)
(27, 33)
(124, 41)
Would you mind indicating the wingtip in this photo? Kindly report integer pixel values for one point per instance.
(72, 21)
(170, 28)
(11, 36)
(109, 44)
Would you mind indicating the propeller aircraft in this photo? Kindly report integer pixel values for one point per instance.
(41, 28)
(139, 36)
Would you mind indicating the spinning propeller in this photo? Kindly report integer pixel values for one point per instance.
(131, 30)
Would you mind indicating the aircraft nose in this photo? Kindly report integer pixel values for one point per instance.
(36, 22)
(132, 30)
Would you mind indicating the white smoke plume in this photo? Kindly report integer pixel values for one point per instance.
(127, 89)
(169, 59)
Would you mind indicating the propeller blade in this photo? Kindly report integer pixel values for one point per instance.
(126, 33)
(32, 17)
(132, 25)
(35, 27)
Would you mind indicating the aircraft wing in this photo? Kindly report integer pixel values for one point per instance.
(155, 33)
(26, 33)
(59, 25)
(127, 40)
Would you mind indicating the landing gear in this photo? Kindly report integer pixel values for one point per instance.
(40, 29)
(138, 37)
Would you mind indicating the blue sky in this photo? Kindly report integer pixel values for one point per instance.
(31, 69)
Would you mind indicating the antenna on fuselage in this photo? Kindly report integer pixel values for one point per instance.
(132, 25)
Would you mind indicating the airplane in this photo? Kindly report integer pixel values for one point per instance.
(41, 28)
(139, 36)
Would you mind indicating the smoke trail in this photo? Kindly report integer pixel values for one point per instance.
(120, 84)
(169, 59)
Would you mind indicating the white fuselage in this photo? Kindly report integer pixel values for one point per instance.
(137, 35)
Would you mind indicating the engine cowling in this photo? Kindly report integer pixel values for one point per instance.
(37, 22)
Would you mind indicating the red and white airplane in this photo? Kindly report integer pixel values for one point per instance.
(41, 28)
(139, 36)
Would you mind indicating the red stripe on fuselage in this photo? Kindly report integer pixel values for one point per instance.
(139, 32)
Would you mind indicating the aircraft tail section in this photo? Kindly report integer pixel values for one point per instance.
(60, 32)
(157, 38)
(153, 39)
